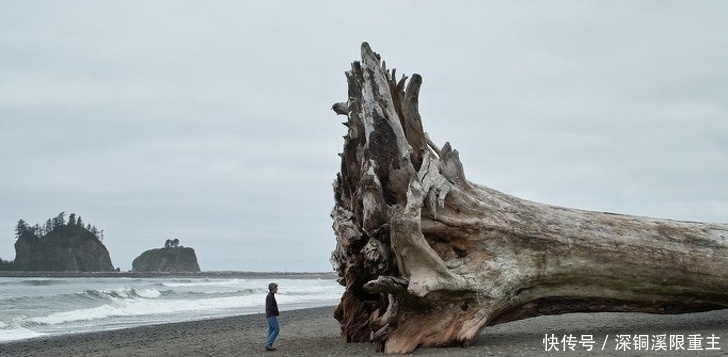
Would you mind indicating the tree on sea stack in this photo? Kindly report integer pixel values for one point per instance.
(429, 258)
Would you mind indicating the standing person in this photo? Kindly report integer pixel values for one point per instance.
(271, 313)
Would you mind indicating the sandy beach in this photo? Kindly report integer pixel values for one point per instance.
(314, 332)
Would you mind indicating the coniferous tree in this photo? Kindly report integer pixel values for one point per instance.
(48, 227)
(96, 232)
(171, 243)
(59, 220)
(6, 265)
(20, 228)
(39, 231)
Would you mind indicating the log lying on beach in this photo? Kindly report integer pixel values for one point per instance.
(429, 258)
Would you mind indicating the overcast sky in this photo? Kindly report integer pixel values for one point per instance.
(210, 121)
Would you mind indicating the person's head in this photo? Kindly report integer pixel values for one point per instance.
(273, 287)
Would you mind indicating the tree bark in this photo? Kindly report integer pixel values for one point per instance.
(430, 259)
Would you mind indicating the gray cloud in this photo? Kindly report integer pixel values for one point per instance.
(211, 123)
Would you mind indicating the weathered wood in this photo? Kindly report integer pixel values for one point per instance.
(430, 259)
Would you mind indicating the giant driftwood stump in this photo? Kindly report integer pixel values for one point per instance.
(430, 259)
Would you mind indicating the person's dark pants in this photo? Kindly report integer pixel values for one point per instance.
(273, 330)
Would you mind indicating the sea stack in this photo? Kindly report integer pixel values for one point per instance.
(170, 259)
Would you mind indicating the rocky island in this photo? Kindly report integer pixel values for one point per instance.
(60, 245)
(173, 258)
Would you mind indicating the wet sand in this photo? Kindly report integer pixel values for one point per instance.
(314, 332)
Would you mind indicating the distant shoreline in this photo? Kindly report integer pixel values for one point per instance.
(204, 274)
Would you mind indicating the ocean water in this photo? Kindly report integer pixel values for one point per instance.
(34, 307)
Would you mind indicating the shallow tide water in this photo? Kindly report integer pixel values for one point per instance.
(37, 306)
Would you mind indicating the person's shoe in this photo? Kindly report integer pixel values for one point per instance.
(269, 348)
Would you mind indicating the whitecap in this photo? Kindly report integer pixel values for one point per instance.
(17, 333)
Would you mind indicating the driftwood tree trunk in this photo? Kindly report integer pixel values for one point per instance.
(429, 258)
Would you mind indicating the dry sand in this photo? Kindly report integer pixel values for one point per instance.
(313, 332)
